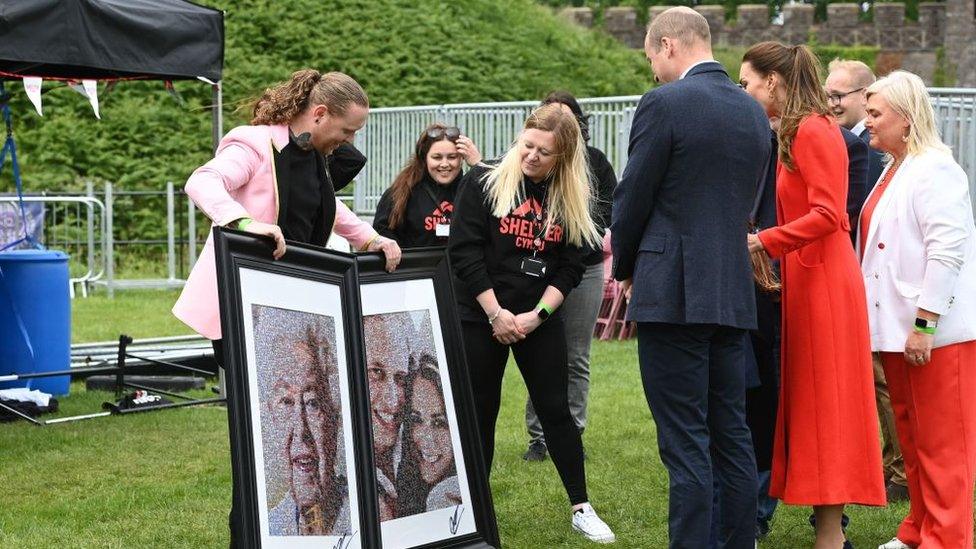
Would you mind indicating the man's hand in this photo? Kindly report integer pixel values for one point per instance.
(267, 229)
(627, 287)
(390, 249)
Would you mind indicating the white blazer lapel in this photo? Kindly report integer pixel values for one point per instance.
(887, 198)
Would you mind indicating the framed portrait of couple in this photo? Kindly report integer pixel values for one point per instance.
(349, 407)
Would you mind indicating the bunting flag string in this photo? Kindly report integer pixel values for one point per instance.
(32, 85)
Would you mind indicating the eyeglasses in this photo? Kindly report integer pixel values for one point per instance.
(450, 132)
(838, 97)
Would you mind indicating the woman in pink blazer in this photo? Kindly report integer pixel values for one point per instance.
(917, 243)
(272, 178)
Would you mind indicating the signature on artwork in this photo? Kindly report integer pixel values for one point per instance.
(455, 519)
(344, 541)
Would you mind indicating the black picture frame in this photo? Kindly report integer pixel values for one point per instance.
(237, 253)
(432, 266)
(472, 523)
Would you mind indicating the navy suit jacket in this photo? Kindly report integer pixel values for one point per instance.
(857, 177)
(698, 150)
(875, 160)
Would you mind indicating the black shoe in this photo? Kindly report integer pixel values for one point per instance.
(762, 529)
(536, 452)
(896, 492)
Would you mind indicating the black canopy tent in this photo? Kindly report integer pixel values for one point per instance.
(111, 40)
(114, 40)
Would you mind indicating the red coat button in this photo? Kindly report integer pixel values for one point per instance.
(880, 245)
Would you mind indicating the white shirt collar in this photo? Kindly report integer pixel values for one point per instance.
(684, 74)
(858, 128)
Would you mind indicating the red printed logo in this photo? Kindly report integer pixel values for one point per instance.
(525, 225)
(440, 216)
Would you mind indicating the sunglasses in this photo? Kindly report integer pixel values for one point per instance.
(450, 132)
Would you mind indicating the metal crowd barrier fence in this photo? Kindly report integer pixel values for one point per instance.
(75, 225)
(390, 134)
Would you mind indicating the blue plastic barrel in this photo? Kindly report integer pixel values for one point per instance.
(35, 318)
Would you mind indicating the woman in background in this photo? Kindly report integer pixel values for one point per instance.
(417, 208)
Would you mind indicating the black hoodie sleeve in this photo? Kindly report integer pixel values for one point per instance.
(381, 220)
(606, 181)
(345, 163)
(469, 233)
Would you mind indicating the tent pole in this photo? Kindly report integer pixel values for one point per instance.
(217, 115)
(218, 132)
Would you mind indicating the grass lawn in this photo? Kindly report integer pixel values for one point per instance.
(162, 479)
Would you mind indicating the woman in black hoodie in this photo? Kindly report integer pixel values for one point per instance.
(516, 249)
(417, 208)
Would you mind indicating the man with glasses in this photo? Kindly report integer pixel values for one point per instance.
(845, 87)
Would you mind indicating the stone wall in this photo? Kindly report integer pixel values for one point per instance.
(960, 41)
(890, 29)
(903, 43)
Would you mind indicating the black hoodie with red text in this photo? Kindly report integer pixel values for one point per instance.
(488, 253)
(429, 205)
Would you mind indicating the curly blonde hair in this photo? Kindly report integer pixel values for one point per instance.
(280, 104)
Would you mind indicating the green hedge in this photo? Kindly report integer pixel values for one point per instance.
(404, 52)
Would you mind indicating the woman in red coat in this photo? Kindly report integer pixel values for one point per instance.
(826, 452)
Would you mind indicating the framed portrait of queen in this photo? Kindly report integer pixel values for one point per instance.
(349, 407)
(292, 340)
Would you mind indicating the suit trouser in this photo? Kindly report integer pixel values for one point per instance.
(579, 312)
(894, 464)
(935, 412)
(695, 387)
(541, 358)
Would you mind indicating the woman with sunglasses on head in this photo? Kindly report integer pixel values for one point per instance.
(580, 308)
(417, 208)
(516, 248)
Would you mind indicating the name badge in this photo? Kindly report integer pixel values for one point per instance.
(442, 230)
(533, 266)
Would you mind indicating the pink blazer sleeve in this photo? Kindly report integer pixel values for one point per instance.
(233, 166)
(359, 233)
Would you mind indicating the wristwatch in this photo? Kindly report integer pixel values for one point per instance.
(926, 324)
(543, 311)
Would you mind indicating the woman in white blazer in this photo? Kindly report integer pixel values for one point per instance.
(917, 244)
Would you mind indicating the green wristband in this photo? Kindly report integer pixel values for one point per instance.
(929, 331)
(542, 305)
(243, 222)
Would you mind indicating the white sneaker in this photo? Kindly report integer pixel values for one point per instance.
(895, 543)
(586, 522)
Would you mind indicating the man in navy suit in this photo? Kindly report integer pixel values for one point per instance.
(846, 84)
(858, 167)
(698, 150)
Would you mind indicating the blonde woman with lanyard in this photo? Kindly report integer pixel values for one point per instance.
(516, 248)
